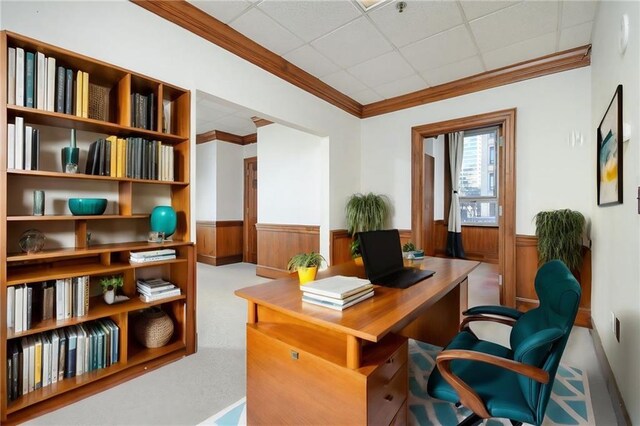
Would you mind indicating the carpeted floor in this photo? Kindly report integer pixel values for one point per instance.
(570, 401)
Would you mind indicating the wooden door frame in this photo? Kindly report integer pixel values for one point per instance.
(245, 222)
(506, 119)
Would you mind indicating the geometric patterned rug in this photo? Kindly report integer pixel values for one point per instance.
(569, 404)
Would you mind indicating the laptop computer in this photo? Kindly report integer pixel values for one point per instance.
(382, 258)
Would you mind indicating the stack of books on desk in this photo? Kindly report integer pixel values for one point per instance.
(156, 289)
(338, 292)
(152, 256)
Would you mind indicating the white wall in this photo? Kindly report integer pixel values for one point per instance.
(250, 150)
(616, 229)
(230, 181)
(549, 173)
(206, 178)
(290, 176)
(163, 50)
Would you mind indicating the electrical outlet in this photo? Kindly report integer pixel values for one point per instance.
(617, 330)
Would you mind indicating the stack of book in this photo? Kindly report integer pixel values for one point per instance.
(156, 289)
(338, 292)
(152, 256)
(23, 146)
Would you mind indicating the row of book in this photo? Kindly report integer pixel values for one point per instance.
(151, 255)
(37, 361)
(23, 146)
(132, 157)
(36, 82)
(155, 289)
(143, 111)
(337, 292)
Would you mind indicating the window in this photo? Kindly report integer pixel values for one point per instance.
(478, 186)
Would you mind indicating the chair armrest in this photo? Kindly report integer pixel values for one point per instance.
(468, 397)
(464, 325)
(502, 311)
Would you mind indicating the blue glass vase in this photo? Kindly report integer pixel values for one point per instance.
(164, 219)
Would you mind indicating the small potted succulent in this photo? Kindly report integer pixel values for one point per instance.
(306, 264)
(409, 251)
(110, 286)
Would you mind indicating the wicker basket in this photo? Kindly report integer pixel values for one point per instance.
(153, 328)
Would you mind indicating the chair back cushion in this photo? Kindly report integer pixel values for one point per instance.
(540, 335)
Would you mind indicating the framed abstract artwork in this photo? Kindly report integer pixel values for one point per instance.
(609, 160)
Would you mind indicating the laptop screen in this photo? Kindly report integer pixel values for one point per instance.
(381, 252)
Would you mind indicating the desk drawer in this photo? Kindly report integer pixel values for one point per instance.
(401, 416)
(391, 365)
(385, 397)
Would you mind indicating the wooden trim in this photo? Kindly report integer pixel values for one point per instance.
(299, 229)
(545, 65)
(259, 122)
(219, 135)
(269, 272)
(219, 261)
(339, 246)
(507, 191)
(200, 23)
(250, 138)
(229, 137)
(218, 243)
(206, 137)
(619, 407)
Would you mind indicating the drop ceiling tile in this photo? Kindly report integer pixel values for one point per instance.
(514, 24)
(403, 86)
(266, 32)
(344, 82)
(353, 43)
(522, 51)
(383, 69)
(421, 19)
(224, 10)
(367, 96)
(312, 61)
(310, 19)
(456, 71)
(476, 8)
(441, 49)
(577, 36)
(578, 12)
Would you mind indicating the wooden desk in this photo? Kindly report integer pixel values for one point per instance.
(307, 364)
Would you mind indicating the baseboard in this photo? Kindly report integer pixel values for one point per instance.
(619, 408)
(219, 261)
(269, 272)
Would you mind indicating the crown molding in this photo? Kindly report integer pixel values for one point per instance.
(219, 135)
(545, 65)
(259, 122)
(200, 23)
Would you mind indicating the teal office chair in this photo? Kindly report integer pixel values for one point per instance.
(494, 381)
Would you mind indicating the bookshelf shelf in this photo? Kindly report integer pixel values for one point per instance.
(103, 100)
(59, 175)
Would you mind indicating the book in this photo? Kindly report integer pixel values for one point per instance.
(77, 96)
(68, 92)
(163, 295)
(151, 253)
(91, 158)
(19, 306)
(60, 300)
(29, 79)
(11, 306)
(107, 158)
(46, 360)
(51, 84)
(11, 146)
(27, 307)
(55, 355)
(113, 155)
(156, 290)
(28, 147)
(68, 299)
(61, 77)
(41, 78)
(19, 148)
(338, 287)
(70, 361)
(35, 149)
(337, 301)
(334, 306)
(20, 75)
(85, 94)
(37, 344)
(11, 90)
(153, 259)
(62, 354)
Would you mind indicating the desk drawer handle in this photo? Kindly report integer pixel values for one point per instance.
(388, 398)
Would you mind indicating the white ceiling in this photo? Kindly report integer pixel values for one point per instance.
(379, 54)
(214, 114)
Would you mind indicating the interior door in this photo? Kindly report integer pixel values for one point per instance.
(427, 216)
(250, 251)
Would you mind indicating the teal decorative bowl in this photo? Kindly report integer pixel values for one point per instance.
(87, 206)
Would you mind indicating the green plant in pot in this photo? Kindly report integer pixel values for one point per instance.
(559, 235)
(365, 212)
(306, 264)
(410, 251)
(110, 286)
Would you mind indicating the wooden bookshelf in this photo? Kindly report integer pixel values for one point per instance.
(96, 260)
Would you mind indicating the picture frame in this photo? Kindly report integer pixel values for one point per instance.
(609, 155)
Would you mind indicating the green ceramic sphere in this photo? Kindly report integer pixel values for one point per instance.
(164, 219)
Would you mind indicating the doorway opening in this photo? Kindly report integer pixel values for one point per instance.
(422, 234)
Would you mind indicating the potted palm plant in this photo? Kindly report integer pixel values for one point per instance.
(365, 212)
(110, 286)
(306, 264)
(559, 235)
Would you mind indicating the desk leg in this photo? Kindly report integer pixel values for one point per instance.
(252, 313)
(354, 352)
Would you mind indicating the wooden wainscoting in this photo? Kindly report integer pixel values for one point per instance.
(277, 243)
(526, 268)
(340, 248)
(219, 242)
(479, 242)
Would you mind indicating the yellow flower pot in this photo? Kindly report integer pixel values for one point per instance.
(358, 261)
(306, 275)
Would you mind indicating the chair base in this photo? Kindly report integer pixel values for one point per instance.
(475, 419)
